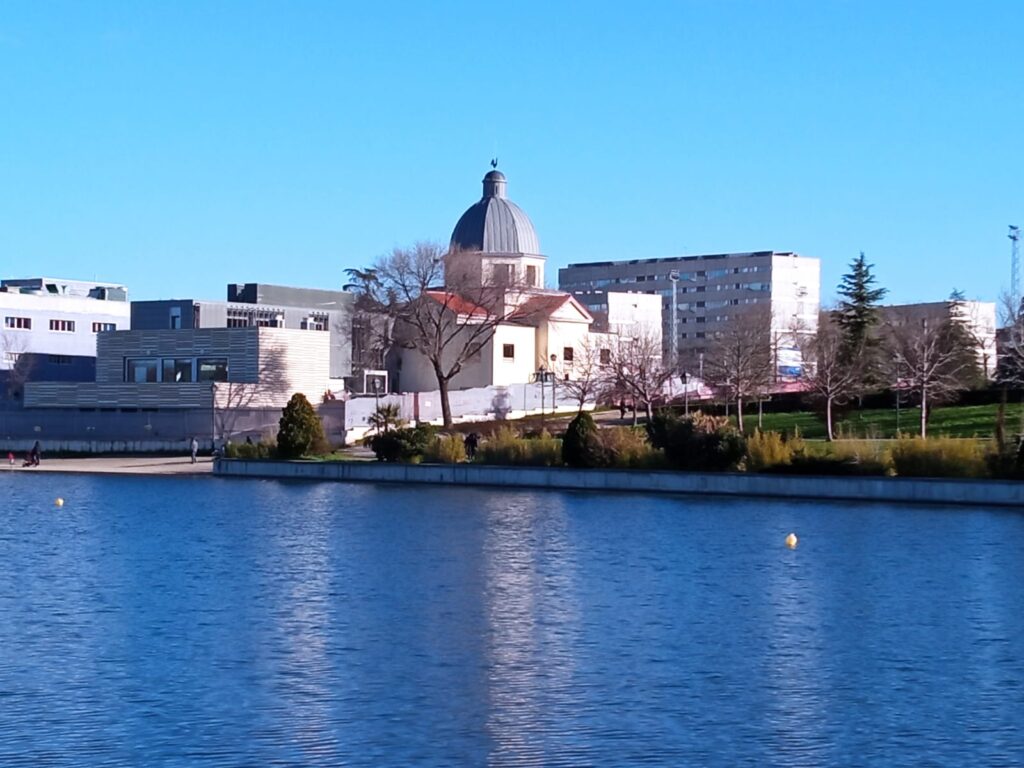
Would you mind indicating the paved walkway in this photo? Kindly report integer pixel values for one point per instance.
(121, 465)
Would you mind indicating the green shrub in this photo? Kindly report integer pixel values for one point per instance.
(446, 449)
(299, 430)
(697, 442)
(628, 447)
(581, 446)
(505, 446)
(543, 451)
(939, 457)
(264, 449)
(804, 464)
(408, 444)
(767, 449)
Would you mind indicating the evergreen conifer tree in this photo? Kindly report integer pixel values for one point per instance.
(299, 430)
(858, 308)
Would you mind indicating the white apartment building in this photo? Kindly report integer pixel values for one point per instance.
(711, 291)
(50, 326)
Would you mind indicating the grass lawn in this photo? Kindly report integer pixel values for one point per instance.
(956, 421)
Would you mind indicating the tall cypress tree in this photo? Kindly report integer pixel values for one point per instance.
(858, 309)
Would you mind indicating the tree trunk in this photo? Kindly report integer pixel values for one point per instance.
(1001, 420)
(828, 420)
(924, 412)
(647, 410)
(739, 413)
(635, 422)
(446, 408)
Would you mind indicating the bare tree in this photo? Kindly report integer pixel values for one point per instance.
(585, 378)
(930, 359)
(636, 368)
(446, 315)
(832, 375)
(14, 348)
(739, 359)
(372, 328)
(232, 400)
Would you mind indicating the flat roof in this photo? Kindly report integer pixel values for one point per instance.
(675, 259)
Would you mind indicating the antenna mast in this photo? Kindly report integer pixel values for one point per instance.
(1014, 269)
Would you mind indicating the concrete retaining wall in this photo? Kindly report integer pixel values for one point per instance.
(904, 490)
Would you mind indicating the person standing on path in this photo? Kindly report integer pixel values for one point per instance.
(194, 446)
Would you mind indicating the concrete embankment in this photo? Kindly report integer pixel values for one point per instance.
(903, 490)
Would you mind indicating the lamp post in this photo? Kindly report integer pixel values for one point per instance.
(541, 373)
(673, 277)
(554, 380)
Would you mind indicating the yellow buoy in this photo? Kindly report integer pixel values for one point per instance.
(792, 541)
(59, 502)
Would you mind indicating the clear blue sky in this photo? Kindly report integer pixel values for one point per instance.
(177, 147)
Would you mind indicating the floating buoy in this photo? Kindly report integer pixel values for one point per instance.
(792, 541)
(59, 502)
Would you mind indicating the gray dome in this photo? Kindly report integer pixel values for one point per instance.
(495, 224)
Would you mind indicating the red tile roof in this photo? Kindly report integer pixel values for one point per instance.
(457, 303)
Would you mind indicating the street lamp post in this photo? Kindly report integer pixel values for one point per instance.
(554, 381)
(673, 277)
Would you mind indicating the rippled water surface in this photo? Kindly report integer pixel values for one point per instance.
(196, 622)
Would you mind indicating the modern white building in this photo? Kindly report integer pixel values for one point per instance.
(261, 305)
(709, 292)
(50, 326)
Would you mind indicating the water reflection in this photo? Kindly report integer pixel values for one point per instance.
(530, 598)
(183, 623)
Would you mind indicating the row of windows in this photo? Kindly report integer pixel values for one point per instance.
(62, 326)
(508, 352)
(266, 320)
(180, 370)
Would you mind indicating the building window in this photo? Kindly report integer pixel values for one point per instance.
(58, 359)
(175, 318)
(314, 323)
(606, 357)
(531, 275)
(177, 370)
(64, 326)
(212, 369)
(21, 323)
(504, 274)
(141, 370)
(238, 322)
(99, 327)
(508, 351)
(567, 354)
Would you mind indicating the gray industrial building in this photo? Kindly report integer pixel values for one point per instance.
(262, 306)
(711, 291)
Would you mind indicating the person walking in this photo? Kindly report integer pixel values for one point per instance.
(471, 441)
(194, 446)
(36, 454)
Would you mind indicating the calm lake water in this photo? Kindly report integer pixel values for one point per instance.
(202, 622)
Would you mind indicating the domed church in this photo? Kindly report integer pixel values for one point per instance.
(495, 261)
(494, 242)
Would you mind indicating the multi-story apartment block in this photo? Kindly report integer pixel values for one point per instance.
(710, 292)
(50, 326)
